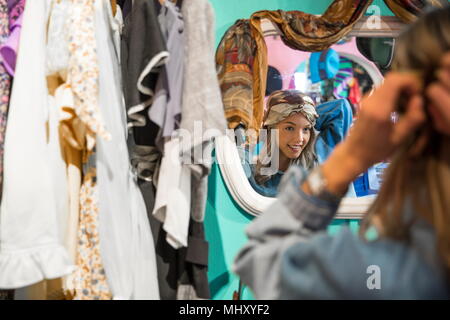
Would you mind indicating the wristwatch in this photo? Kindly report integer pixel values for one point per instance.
(318, 186)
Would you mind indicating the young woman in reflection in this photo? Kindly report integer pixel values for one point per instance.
(295, 131)
(287, 137)
(403, 251)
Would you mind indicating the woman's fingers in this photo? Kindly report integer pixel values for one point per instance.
(439, 121)
(445, 61)
(443, 73)
(439, 95)
(410, 121)
(397, 84)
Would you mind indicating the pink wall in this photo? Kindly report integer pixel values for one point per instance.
(286, 59)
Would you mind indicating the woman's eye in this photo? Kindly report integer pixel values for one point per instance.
(289, 128)
(306, 130)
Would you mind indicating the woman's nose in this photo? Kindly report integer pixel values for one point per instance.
(301, 137)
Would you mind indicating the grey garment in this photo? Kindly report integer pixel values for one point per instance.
(192, 272)
(201, 101)
(166, 256)
(182, 273)
(202, 109)
(142, 46)
(143, 52)
(290, 256)
(165, 110)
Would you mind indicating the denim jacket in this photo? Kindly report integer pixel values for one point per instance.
(289, 255)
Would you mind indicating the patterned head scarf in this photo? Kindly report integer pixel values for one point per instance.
(283, 103)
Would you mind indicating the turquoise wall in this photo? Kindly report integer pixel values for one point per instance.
(228, 11)
(225, 224)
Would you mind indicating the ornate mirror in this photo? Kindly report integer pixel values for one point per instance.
(283, 54)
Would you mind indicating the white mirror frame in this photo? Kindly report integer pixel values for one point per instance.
(228, 157)
(253, 202)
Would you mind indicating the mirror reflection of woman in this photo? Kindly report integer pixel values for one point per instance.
(288, 137)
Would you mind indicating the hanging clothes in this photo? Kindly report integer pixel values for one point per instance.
(11, 13)
(344, 75)
(5, 82)
(57, 60)
(182, 272)
(8, 50)
(126, 242)
(165, 109)
(143, 49)
(143, 53)
(31, 241)
(355, 94)
(84, 80)
(202, 103)
(5, 86)
(68, 48)
(89, 278)
(174, 179)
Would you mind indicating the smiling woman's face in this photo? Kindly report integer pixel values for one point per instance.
(294, 133)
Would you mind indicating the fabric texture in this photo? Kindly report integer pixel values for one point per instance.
(6, 16)
(73, 146)
(31, 245)
(11, 13)
(89, 279)
(165, 109)
(242, 54)
(290, 256)
(5, 83)
(83, 70)
(58, 40)
(409, 10)
(57, 58)
(270, 187)
(83, 77)
(333, 124)
(281, 111)
(174, 183)
(126, 243)
(202, 107)
(343, 77)
(174, 179)
(80, 228)
(8, 49)
(143, 52)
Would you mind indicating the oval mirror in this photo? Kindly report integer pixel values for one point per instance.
(336, 77)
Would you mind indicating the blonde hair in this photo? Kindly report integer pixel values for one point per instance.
(420, 169)
(302, 103)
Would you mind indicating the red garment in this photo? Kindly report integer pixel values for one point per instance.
(355, 95)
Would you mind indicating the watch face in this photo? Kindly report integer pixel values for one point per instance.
(315, 181)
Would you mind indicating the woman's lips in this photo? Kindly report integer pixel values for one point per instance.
(295, 148)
